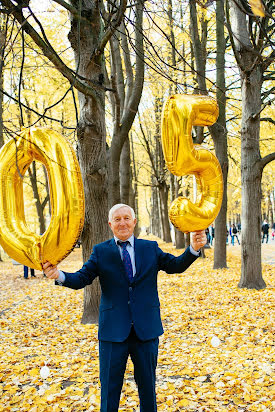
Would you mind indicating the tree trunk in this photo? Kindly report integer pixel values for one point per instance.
(251, 68)
(251, 174)
(179, 236)
(155, 217)
(3, 34)
(219, 135)
(92, 146)
(127, 101)
(180, 239)
(39, 205)
(133, 197)
(199, 46)
(163, 193)
(125, 166)
(218, 130)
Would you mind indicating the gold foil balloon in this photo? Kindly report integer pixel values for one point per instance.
(66, 191)
(180, 113)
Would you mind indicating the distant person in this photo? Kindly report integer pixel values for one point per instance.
(265, 230)
(234, 234)
(207, 235)
(26, 272)
(273, 231)
(212, 234)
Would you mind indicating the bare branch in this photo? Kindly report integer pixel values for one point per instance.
(267, 159)
(267, 119)
(20, 78)
(50, 53)
(34, 111)
(72, 10)
(115, 22)
(264, 106)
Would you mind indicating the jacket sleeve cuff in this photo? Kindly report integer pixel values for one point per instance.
(195, 252)
(61, 278)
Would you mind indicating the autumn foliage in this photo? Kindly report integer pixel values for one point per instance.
(40, 324)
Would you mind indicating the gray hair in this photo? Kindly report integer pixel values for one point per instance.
(119, 206)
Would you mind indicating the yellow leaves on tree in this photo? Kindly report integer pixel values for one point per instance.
(257, 7)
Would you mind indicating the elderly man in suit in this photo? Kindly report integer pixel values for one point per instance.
(129, 312)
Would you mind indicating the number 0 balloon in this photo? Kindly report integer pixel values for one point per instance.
(180, 113)
(66, 191)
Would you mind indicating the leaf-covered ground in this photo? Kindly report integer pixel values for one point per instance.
(40, 323)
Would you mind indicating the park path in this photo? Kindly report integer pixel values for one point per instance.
(268, 251)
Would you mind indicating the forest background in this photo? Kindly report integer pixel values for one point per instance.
(99, 72)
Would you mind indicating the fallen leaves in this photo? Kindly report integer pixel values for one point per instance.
(40, 326)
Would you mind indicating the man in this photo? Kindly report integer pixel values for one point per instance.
(212, 234)
(234, 234)
(265, 230)
(129, 314)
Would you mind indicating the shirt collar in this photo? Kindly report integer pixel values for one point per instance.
(131, 240)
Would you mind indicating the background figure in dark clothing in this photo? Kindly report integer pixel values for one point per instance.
(234, 234)
(26, 272)
(212, 234)
(207, 235)
(265, 229)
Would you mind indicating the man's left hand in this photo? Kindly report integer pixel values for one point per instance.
(198, 239)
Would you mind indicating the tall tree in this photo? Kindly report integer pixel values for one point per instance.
(128, 86)
(88, 39)
(174, 181)
(219, 130)
(3, 35)
(251, 40)
(39, 204)
(152, 146)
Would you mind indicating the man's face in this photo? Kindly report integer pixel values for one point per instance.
(122, 223)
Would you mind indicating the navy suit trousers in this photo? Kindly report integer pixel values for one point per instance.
(113, 359)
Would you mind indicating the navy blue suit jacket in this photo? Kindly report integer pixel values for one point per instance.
(124, 304)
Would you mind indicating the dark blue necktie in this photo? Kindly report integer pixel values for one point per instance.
(126, 260)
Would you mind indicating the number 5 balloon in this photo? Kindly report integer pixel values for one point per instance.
(66, 191)
(180, 113)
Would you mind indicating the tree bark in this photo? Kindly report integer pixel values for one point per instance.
(40, 206)
(163, 193)
(125, 169)
(247, 43)
(179, 236)
(127, 100)
(155, 216)
(218, 131)
(219, 135)
(133, 197)
(3, 34)
(91, 145)
(88, 38)
(251, 175)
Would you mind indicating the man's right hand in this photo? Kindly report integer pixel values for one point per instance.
(50, 270)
